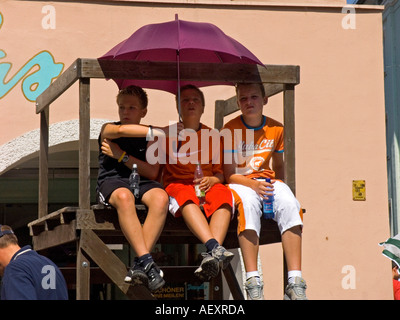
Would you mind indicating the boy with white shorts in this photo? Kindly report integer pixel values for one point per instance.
(257, 139)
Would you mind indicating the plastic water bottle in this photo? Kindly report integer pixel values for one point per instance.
(198, 175)
(268, 205)
(134, 180)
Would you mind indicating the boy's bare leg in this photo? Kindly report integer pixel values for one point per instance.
(249, 243)
(156, 201)
(123, 200)
(291, 242)
(219, 223)
(196, 222)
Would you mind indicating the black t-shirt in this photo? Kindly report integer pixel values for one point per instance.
(111, 168)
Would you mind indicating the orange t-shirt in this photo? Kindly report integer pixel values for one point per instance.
(203, 146)
(396, 289)
(252, 148)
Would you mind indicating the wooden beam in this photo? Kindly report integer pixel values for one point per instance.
(44, 163)
(219, 114)
(60, 235)
(59, 86)
(84, 143)
(272, 89)
(126, 69)
(233, 284)
(82, 275)
(289, 137)
(112, 266)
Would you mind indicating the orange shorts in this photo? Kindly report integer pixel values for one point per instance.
(180, 193)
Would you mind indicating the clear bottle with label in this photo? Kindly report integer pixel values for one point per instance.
(268, 205)
(198, 175)
(134, 180)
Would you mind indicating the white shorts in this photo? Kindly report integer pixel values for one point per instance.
(286, 207)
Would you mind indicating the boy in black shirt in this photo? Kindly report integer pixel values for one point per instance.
(121, 145)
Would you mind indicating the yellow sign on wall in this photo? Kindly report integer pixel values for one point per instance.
(359, 190)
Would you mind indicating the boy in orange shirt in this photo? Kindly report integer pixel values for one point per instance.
(178, 178)
(257, 140)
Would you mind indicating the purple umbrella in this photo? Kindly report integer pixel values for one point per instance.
(179, 41)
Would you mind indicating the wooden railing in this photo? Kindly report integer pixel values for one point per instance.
(71, 224)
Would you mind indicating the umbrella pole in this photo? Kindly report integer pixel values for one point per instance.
(179, 86)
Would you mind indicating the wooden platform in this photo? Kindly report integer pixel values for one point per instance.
(90, 228)
(89, 231)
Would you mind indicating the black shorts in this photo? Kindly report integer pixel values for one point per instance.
(108, 186)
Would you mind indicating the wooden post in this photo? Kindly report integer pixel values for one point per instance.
(219, 114)
(290, 156)
(84, 143)
(234, 286)
(112, 266)
(44, 163)
(82, 274)
(289, 137)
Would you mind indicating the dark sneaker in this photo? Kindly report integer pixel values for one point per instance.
(296, 290)
(155, 276)
(136, 276)
(223, 256)
(209, 267)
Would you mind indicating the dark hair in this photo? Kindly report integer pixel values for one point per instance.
(135, 91)
(260, 84)
(7, 236)
(191, 86)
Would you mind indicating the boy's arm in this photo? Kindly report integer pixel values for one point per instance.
(115, 131)
(232, 177)
(149, 171)
(260, 187)
(111, 149)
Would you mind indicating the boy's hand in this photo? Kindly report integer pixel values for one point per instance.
(111, 149)
(263, 188)
(206, 183)
(169, 129)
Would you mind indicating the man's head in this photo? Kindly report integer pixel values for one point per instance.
(8, 246)
(7, 236)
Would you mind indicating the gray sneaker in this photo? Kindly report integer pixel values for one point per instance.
(254, 288)
(209, 267)
(223, 256)
(296, 290)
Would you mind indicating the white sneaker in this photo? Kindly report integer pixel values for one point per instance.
(254, 288)
(296, 290)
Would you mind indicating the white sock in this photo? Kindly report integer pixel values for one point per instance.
(292, 274)
(252, 274)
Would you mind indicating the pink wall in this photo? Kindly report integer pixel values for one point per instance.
(340, 113)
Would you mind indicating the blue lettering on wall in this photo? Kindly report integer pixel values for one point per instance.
(33, 83)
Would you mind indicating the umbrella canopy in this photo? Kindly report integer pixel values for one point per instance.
(179, 41)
